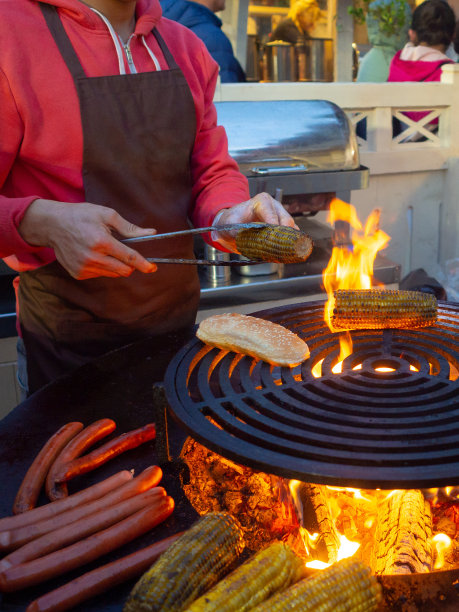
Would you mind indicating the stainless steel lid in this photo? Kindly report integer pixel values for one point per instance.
(289, 136)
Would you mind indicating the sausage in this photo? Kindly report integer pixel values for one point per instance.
(10, 540)
(82, 528)
(86, 438)
(72, 501)
(104, 453)
(101, 579)
(29, 490)
(60, 561)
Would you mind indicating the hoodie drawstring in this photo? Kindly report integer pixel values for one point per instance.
(151, 54)
(119, 46)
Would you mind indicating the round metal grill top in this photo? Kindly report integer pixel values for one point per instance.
(362, 427)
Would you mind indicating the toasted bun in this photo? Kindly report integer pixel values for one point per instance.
(253, 336)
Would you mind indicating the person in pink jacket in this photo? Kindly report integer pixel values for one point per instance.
(432, 30)
(421, 59)
(108, 131)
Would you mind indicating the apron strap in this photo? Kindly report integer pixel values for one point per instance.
(62, 40)
(172, 64)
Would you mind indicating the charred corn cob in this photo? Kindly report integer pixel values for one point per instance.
(346, 586)
(379, 309)
(275, 243)
(193, 564)
(270, 570)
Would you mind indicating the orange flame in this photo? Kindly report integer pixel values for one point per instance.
(351, 265)
(442, 544)
(355, 514)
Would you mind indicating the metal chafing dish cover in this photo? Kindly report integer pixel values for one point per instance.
(272, 137)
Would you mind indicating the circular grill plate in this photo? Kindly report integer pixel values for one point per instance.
(361, 427)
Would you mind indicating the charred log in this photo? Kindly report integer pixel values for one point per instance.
(316, 518)
(403, 535)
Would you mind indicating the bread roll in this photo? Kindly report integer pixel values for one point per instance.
(253, 336)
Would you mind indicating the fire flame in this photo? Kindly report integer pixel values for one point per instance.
(442, 544)
(346, 549)
(351, 264)
(354, 513)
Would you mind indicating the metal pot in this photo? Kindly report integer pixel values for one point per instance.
(217, 275)
(279, 62)
(253, 59)
(314, 57)
(257, 269)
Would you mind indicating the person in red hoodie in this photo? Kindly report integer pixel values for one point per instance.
(108, 131)
(432, 30)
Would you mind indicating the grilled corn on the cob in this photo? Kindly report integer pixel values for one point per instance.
(346, 586)
(382, 308)
(275, 243)
(270, 570)
(193, 564)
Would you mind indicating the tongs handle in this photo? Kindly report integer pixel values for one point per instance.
(206, 262)
(199, 230)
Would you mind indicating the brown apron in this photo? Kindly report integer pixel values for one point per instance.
(138, 135)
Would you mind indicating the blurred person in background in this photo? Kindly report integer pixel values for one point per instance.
(386, 40)
(199, 17)
(431, 33)
(301, 19)
(454, 53)
(421, 59)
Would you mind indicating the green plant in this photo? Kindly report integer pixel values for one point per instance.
(391, 14)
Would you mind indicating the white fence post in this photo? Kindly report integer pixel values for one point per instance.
(449, 131)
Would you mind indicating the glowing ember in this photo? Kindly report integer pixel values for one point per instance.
(346, 549)
(355, 514)
(351, 265)
(323, 523)
(442, 544)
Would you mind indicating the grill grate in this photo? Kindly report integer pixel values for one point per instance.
(361, 427)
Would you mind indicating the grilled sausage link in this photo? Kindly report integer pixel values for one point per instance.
(101, 579)
(82, 528)
(68, 503)
(10, 540)
(76, 447)
(99, 456)
(56, 563)
(29, 490)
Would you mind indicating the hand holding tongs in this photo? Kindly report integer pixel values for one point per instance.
(200, 230)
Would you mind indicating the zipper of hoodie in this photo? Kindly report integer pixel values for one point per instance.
(119, 45)
(127, 51)
(129, 58)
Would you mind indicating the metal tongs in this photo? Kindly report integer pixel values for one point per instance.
(200, 230)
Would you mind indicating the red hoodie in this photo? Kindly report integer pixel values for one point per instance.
(41, 136)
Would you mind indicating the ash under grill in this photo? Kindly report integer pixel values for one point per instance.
(361, 427)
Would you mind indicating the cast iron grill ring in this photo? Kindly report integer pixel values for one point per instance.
(361, 427)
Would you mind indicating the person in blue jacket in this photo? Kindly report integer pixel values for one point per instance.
(199, 16)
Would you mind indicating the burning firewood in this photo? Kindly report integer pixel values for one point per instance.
(317, 518)
(403, 535)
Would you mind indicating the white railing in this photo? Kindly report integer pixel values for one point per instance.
(414, 183)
